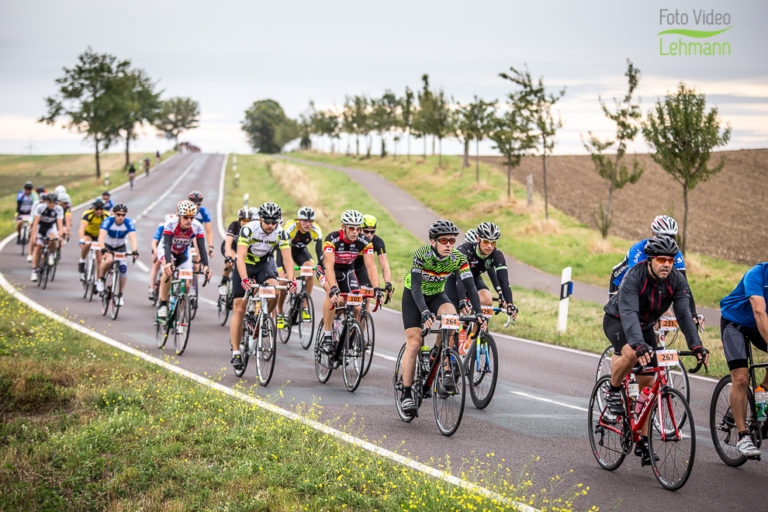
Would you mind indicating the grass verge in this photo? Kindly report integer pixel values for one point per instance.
(548, 245)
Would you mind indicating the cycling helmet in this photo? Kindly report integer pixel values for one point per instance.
(471, 236)
(488, 231)
(120, 207)
(28, 185)
(661, 246)
(664, 225)
(186, 207)
(40, 190)
(270, 211)
(243, 213)
(196, 197)
(352, 218)
(51, 197)
(64, 198)
(171, 217)
(305, 213)
(370, 222)
(60, 189)
(98, 204)
(106, 193)
(253, 213)
(442, 227)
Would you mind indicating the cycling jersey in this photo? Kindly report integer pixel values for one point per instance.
(24, 203)
(736, 306)
(642, 299)
(116, 233)
(176, 240)
(260, 244)
(202, 216)
(48, 216)
(108, 204)
(94, 222)
(300, 239)
(345, 251)
(635, 255)
(159, 232)
(495, 264)
(234, 231)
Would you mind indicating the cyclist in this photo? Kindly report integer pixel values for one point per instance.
(132, 175)
(204, 218)
(483, 256)
(108, 203)
(256, 244)
(66, 205)
(114, 230)
(178, 235)
(46, 226)
(647, 291)
(146, 166)
(744, 320)
(24, 201)
(229, 245)
(156, 238)
(336, 270)
(370, 223)
(471, 236)
(424, 295)
(302, 232)
(90, 225)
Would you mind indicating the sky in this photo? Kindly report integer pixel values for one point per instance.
(228, 54)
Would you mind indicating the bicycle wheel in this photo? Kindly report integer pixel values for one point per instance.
(106, 295)
(397, 384)
(353, 356)
(55, 265)
(159, 333)
(24, 238)
(306, 325)
(482, 370)
(722, 426)
(266, 349)
(604, 364)
(609, 435)
(116, 294)
(193, 299)
(674, 443)
(448, 397)
(284, 334)
(44, 272)
(244, 347)
(323, 364)
(677, 377)
(222, 309)
(370, 339)
(182, 325)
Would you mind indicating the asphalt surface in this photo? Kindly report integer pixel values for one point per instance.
(538, 409)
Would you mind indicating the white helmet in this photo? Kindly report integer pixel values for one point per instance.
(59, 191)
(352, 218)
(171, 217)
(664, 225)
(471, 236)
(305, 213)
(64, 198)
(488, 231)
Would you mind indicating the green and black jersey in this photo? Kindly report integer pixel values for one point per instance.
(435, 271)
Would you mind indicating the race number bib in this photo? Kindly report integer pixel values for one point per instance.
(667, 324)
(487, 311)
(185, 273)
(306, 272)
(667, 357)
(120, 256)
(449, 322)
(267, 292)
(367, 291)
(354, 299)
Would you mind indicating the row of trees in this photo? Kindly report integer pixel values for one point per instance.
(107, 100)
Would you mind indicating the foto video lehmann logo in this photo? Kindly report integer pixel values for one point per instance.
(717, 22)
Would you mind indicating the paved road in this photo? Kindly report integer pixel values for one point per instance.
(538, 408)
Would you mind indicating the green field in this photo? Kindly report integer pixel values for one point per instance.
(548, 245)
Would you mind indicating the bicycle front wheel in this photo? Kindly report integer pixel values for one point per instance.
(306, 321)
(182, 325)
(483, 370)
(397, 384)
(323, 363)
(370, 339)
(244, 347)
(722, 426)
(266, 349)
(604, 364)
(448, 392)
(609, 435)
(106, 295)
(674, 441)
(353, 356)
(44, 272)
(222, 309)
(116, 294)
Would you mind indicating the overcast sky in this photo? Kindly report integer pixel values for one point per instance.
(228, 54)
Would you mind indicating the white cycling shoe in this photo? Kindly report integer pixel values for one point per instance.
(99, 285)
(34, 276)
(29, 258)
(747, 448)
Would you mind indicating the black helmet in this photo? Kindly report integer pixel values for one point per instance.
(28, 185)
(661, 246)
(40, 190)
(49, 198)
(98, 204)
(106, 193)
(442, 227)
(120, 207)
(270, 211)
(196, 196)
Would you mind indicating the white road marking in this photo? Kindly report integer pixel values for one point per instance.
(542, 399)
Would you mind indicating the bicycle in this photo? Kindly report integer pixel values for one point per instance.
(178, 319)
(671, 433)
(258, 336)
(113, 288)
(438, 374)
(23, 239)
(89, 281)
(224, 304)
(301, 311)
(348, 345)
(722, 425)
(56, 259)
(193, 296)
(44, 269)
(366, 322)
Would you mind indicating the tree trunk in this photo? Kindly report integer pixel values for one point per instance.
(357, 144)
(433, 145)
(440, 152)
(465, 162)
(544, 168)
(685, 217)
(98, 163)
(477, 160)
(509, 181)
(127, 149)
(408, 137)
(607, 212)
(425, 146)
(368, 147)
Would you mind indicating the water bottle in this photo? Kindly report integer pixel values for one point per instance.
(632, 388)
(641, 400)
(761, 402)
(424, 358)
(172, 302)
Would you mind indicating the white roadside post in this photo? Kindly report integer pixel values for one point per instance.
(106, 179)
(566, 289)
(245, 200)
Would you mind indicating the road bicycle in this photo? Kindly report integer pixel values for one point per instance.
(224, 303)
(89, 280)
(348, 348)
(44, 269)
(438, 374)
(259, 333)
(366, 322)
(113, 288)
(301, 311)
(178, 320)
(671, 430)
(722, 425)
(23, 238)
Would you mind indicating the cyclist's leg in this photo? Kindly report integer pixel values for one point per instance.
(486, 299)
(106, 261)
(735, 351)
(412, 326)
(37, 249)
(153, 273)
(266, 272)
(444, 307)
(123, 269)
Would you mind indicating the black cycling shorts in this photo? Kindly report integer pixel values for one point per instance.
(300, 256)
(411, 313)
(615, 333)
(735, 338)
(453, 294)
(261, 271)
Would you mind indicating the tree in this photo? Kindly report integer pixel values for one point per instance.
(537, 105)
(383, 116)
(512, 136)
(475, 123)
(682, 135)
(406, 119)
(423, 118)
(442, 122)
(626, 116)
(140, 104)
(88, 99)
(356, 118)
(267, 127)
(178, 115)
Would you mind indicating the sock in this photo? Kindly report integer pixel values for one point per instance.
(164, 303)
(327, 333)
(615, 388)
(742, 435)
(81, 260)
(235, 353)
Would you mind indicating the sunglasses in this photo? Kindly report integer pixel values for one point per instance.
(488, 242)
(269, 222)
(354, 229)
(664, 259)
(188, 217)
(446, 241)
(369, 231)
(119, 215)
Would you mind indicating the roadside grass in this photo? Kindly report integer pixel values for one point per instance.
(335, 191)
(548, 245)
(86, 427)
(75, 172)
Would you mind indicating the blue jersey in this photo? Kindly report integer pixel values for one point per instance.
(116, 233)
(159, 232)
(24, 203)
(636, 254)
(202, 216)
(108, 204)
(736, 306)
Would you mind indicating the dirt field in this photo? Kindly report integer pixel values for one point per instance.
(727, 215)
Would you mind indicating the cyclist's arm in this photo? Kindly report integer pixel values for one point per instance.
(468, 281)
(228, 252)
(416, 293)
(208, 234)
(242, 251)
(102, 237)
(384, 262)
(201, 250)
(18, 206)
(287, 261)
(319, 249)
(81, 231)
(758, 308)
(132, 238)
(33, 229)
(68, 221)
(329, 260)
(499, 268)
(60, 223)
(370, 266)
(629, 312)
(154, 246)
(167, 242)
(692, 304)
